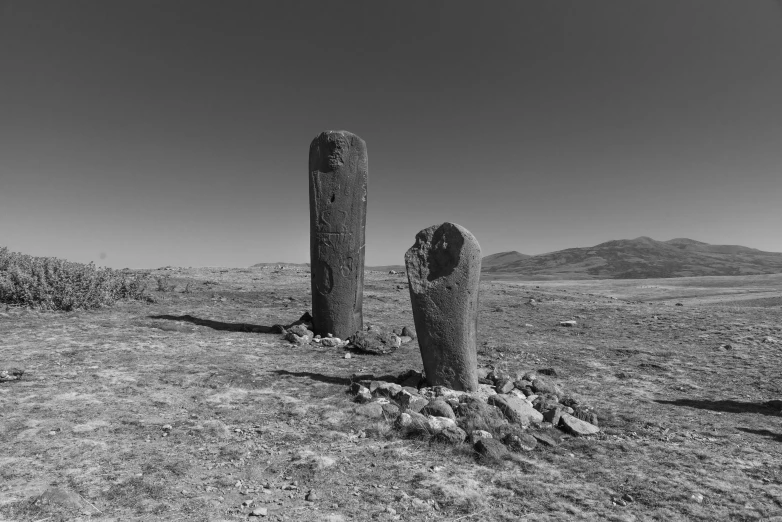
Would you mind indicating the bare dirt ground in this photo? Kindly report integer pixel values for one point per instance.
(124, 416)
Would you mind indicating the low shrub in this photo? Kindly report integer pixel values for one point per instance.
(49, 283)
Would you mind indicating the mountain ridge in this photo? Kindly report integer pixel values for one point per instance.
(642, 257)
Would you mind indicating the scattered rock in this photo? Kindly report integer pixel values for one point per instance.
(374, 342)
(331, 342)
(576, 426)
(439, 408)
(585, 415)
(385, 389)
(546, 385)
(477, 435)
(301, 330)
(551, 372)
(503, 385)
(451, 435)
(498, 375)
(312, 496)
(361, 393)
(520, 442)
(11, 374)
(348, 355)
(296, 339)
(474, 414)
(491, 449)
(373, 410)
(437, 424)
(411, 401)
(411, 422)
(547, 437)
(553, 415)
(259, 512)
(390, 410)
(568, 323)
(516, 410)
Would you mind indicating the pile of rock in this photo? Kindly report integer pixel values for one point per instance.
(372, 340)
(10, 374)
(507, 413)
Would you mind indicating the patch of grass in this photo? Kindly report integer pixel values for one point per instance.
(164, 284)
(49, 283)
(130, 492)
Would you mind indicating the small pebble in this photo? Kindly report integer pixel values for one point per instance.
(348, 355)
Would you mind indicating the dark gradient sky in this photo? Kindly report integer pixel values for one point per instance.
(177, 133)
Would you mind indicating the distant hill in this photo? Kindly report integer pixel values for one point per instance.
(503, 258)
(261, 265)
(638, 258)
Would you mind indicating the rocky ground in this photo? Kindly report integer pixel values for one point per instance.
(198, 408)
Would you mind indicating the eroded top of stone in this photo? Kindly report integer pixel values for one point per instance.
(329, 150)
(440, 250)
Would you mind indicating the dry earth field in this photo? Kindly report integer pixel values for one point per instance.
(123, 416)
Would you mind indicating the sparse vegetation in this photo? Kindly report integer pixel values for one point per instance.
(164, 284)
(130, 414)
(49, 283)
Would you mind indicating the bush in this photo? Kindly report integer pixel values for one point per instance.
(48, 283)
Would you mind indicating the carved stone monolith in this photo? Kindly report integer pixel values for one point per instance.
(444, 271)
(338, 210)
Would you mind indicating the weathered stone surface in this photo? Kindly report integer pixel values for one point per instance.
(451, 435)
(11, 374)
(373, 410)
(474, 414)
(411, 420)
(547, 437)
(437, 424)
(477, 435)
(516, 410)
(519, 442)
(408, 332)
(411, 401)
(386, 389)
(546, 385)
(438, 408)
(362, 393)
(576, 426)
(553, 415)
(374, 342)
(444, 270)
(491, 449)
(338, 206)
(503, 385)
(390, 410)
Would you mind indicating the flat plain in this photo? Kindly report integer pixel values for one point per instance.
(140, 412)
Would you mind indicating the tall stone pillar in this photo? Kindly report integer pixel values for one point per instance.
(338, 215)
(444, 272)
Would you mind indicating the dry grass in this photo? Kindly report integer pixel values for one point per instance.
(681, 417)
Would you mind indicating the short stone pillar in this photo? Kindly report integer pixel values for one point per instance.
(338, 210)
(444, 271)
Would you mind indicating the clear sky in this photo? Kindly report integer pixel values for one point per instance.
(148, 133)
